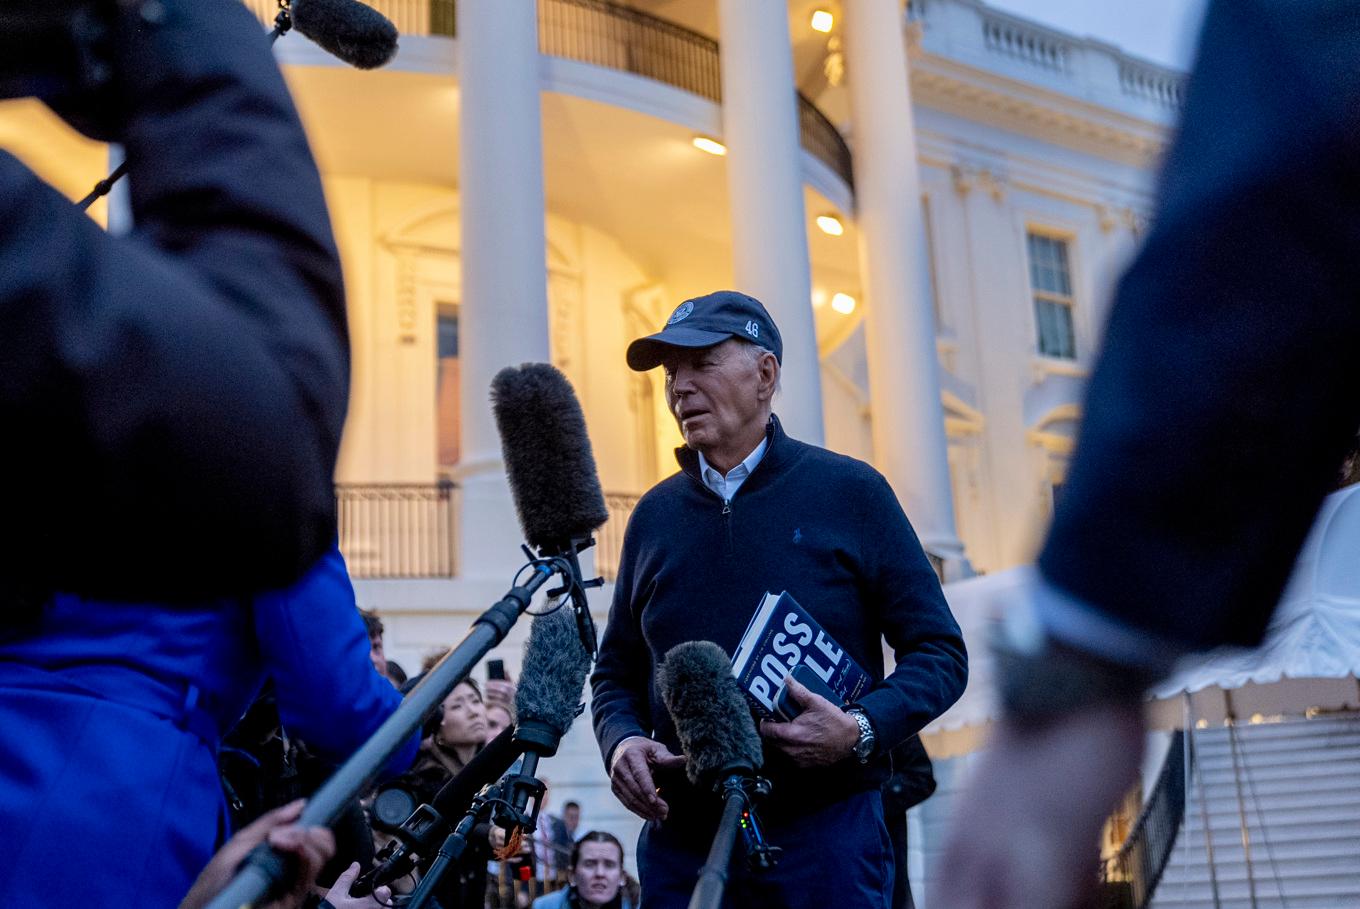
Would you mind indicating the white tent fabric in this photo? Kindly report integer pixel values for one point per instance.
(1309, 659)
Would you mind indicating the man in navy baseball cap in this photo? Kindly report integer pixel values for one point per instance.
(706, 321)
(753, 511)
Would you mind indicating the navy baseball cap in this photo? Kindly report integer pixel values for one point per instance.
(705, 321)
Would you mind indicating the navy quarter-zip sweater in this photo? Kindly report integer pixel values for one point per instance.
(824, 527)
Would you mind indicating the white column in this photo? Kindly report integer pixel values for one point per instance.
(765, 186)
(118, 219)
(904, 385)
(504, 308)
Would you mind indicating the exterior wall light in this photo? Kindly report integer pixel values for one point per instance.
(830, 225)
(822, 21)
(710, 145)
(843, 304)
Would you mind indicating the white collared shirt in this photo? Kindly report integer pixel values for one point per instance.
(727, 486)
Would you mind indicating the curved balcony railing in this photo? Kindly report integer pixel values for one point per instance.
(1130, 876)
(605, 34)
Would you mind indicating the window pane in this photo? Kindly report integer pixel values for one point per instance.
(1054, 321)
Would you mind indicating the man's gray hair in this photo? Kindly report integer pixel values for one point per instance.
(754, 352)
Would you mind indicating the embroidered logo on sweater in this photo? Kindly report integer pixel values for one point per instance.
(797, 535)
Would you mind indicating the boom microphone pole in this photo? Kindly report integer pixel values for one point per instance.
(723, 751)
(534, 406)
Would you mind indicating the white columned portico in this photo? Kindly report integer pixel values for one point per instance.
(765, 186)
(503, 318)
(904, 385)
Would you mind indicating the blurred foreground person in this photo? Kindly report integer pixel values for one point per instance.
(172, 399)
(1216, 418)
(114, 712)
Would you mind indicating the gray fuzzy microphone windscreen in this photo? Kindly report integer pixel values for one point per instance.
(710, 713)
(553, 677)
(547, 455)
(353, 31)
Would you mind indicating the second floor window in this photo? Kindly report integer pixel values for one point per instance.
(1050, 279)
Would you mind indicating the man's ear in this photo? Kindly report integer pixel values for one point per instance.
(768, 368)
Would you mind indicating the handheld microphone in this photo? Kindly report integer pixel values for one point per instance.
(355, 32)
(551, 469)
(723, 751)
(548, 698)
(711, 717)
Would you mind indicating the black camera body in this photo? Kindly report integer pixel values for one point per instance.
(56, 49)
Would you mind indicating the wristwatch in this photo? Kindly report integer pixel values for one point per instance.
(1041, 679)
(867, 740)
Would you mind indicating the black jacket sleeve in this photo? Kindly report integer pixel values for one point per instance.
(173, 399)
(620, 686)
(902, 589)
(1225, 397)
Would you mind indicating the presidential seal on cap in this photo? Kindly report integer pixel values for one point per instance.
(706, 321)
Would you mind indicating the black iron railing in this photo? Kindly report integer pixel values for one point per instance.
(622, 38)
(619, 37)
(398, 530)
(606, 34)
(1129, 877)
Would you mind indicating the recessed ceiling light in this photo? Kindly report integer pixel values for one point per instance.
(818, 298)
(712, 146)
(843, 304)
(830, 225)
(822, 20)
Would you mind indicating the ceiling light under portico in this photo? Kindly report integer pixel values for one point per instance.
(710, 145)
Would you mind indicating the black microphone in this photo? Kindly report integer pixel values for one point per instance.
(547, 456)
(723, 751)
(552, 475)
(710, 713)
(548, 698)
(352, 31)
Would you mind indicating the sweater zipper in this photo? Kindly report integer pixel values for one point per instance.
(727, 522)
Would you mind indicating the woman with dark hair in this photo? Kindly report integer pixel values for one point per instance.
(453, 734)
(596, 868)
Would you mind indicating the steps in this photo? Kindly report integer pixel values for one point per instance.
(1300, 783)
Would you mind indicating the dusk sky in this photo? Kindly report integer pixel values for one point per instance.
(1157, 30)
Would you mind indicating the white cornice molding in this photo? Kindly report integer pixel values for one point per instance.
(954, 87)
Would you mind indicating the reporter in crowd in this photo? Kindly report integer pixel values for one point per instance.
(1220, 407)
(595, 868)
(753, 511)
(455, 733)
